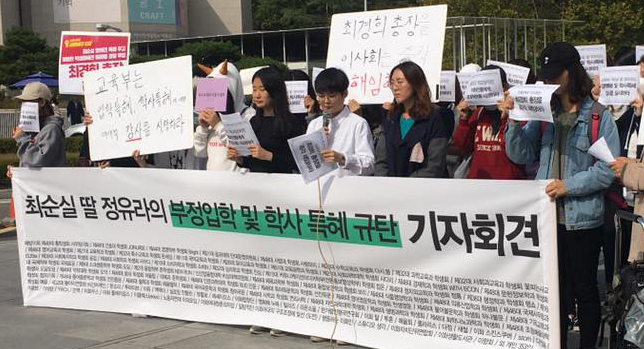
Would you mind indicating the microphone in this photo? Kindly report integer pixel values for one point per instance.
(326, 123)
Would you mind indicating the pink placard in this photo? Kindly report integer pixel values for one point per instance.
(211, 94)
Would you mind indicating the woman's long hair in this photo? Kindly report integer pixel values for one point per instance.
(579, 86)
(422, 106)
(274, 84)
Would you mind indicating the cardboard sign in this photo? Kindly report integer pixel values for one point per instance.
(367, 45)
(81, 52)
(139, 108)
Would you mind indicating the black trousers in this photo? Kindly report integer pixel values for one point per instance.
(578, 253)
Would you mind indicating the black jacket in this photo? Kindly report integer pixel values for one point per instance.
(393, 153)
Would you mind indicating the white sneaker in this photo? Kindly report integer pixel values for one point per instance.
(257, 329)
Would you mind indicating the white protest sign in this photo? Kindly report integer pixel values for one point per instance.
(484, 88)
(600, 150)
(296, 91)
(306, 152)
(639, 52)
(246, 76)
(463, 80)
(447, 90)
(515, 74)
(29, 117)
(314, 74)
(438, 271)
(593, 58)
(619, 85)
(239, 132)
(138, 108)
(532, 102)
(367, 45)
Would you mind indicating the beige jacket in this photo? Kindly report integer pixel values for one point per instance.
(633, 178)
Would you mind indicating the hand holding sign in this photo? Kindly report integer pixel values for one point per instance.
(531, 102)
(485, 88)
(211, 94)
(239, 132)
(311, 155)
(29, 117)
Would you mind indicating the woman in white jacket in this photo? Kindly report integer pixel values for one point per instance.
(210, 139)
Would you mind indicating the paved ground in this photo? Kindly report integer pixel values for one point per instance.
(49, 328)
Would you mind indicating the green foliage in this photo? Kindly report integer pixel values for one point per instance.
(213, 50)
(145, 59)
(72, 144)
(7, 145)
(250, 62)
(25, 53)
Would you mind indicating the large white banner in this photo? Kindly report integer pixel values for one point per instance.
(367, 45)
(438, 271)
(86, 11)
(146, 107)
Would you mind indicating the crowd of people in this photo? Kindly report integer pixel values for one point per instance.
(411, 136)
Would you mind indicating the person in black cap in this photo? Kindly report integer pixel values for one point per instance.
(577, 179)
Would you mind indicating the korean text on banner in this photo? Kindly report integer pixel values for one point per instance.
(211, 94)
(593, 58)
(516, 74)
(306, 152)
(296, 91)
(136, 108)
(249, 254)
(532, 102)
(447, 90)
(239, 132)
(367, 45)
(29, 117)
(484, 88)
(81, 52)
(619, 85)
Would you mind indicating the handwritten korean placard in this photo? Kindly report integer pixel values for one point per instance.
(136, 107)
(367, 45)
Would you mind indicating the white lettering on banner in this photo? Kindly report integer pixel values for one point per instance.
(145, 242)
(532, 102)
(484, 88)
(448, 86)
(516, 74)
(29, 113)
(619, 85)
(239, 132)
(296, 91)
(306, 152)
(593, 58)
(367, 45)
(135, 107)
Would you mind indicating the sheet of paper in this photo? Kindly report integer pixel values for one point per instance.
(593, 58)
(75, 129)
(600, 150)
(516, 74)
(306, 152)
(296, 91)
(29, 117)
(532, 102)
(485, 88)
(639, 52)
(447, 87)
(211, 94)
(314, 74)
(619, 85)
(239, 132)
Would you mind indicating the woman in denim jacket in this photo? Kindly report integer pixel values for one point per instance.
(578, 180)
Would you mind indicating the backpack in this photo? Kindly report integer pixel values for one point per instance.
(613, 194)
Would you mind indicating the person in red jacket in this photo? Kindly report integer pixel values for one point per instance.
(480, 133)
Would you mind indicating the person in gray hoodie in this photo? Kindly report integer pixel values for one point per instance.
(47, 147)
